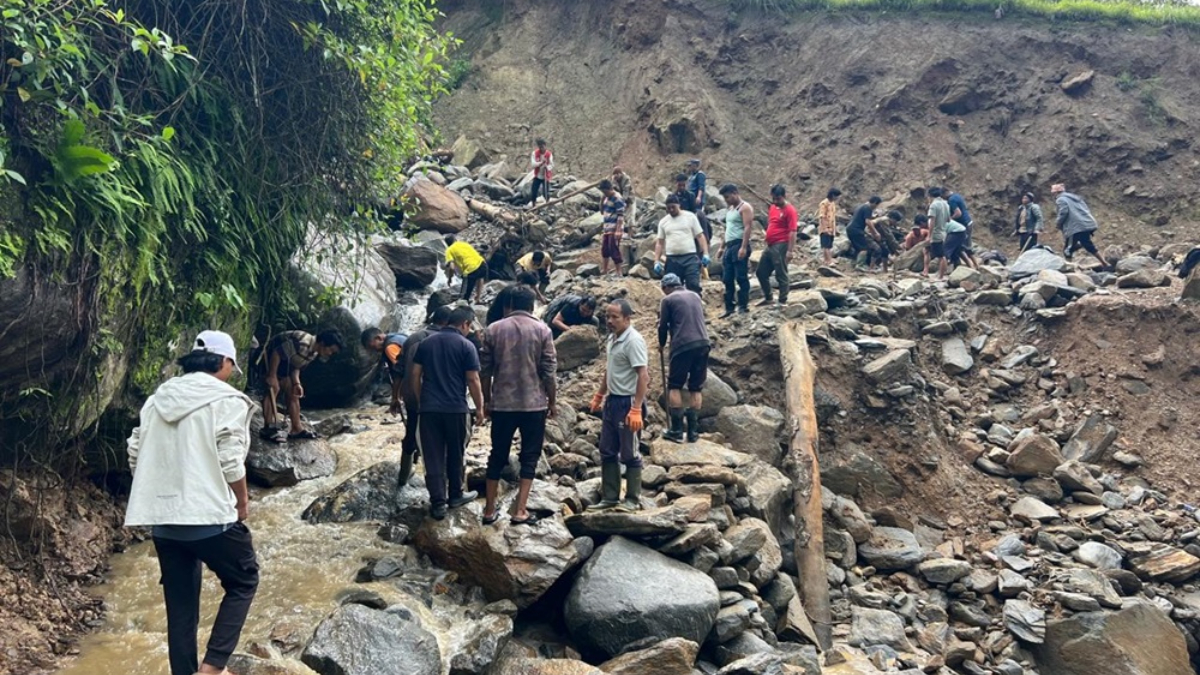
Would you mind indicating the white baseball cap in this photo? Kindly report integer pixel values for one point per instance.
(216, 342)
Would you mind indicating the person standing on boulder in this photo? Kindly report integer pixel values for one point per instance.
(444, 368)
(410, 447)
(782, 223)
(188, 459)
(735, 258)
(1029, 222)
(696, 184)
(622, 398)
(612, 208)
(542, 161)
(1076, 222)
(682, 241)
(517, 364)
(463, 257)
(939, 216)
(286, 355)
(681, 316)
(570, 310)
(827, 223)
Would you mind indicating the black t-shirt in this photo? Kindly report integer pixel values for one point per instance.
(861, 215)
(445, 359)
(566, 307)
(687, 200)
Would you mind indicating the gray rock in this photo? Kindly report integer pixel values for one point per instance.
(956, 358)
(627, 593)
(994, 298)
(356, 640)
(1026, 622)
(889, 368)
(1035, 260)
(1137, 640)
(371, 495)
(758, 430)
(1019, 357)
(285, 464)
(1077, 602)
(460, 184)
(476, 644)
(767, 491)
(1135, 263)
(1097, 555)
(1144, 279)
(891, 548)
(1010, 584)
(1034, 455)
(731, 622)
(848, 516)
(861, 474)
(415, 267)
(878, 627)
(1032, 510)
(1090, 583)
(1091, 440)
(717, 396)
(1075, 477)
(756, 664)
(577, 347)
(769, 556)
(944, 570)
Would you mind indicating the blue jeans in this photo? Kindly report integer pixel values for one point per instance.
(735, 272)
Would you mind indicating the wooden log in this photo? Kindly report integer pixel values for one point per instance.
(802, 464)
(494, 213)
(563, 198)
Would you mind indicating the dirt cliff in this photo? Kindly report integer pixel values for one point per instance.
(873, 103)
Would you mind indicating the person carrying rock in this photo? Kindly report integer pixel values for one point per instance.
(286, 355)
(542, 161)
(682, 241)
(883, 233)
(782, 223)
(570, 310)
(622, 401)
(681, 316)
(188, 459)
(444, 368)
(939, 216)
(827, 223)
(541, 264)
(919, 232)
(1029, 222)
(463, 257)
(410, 447)
(696, 184)
(612, 209)
(1076, 222)
(735, 256)
(517, 365)
(863, 247)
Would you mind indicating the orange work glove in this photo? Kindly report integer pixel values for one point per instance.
(634, 420)
(597, 402)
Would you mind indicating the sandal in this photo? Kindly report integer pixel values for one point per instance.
(303, 435)
(528, 520)
(488, 520)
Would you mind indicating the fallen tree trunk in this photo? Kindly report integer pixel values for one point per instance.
(563, 198)
(804, 469)
(494, 213)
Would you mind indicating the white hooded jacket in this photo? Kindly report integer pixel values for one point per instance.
(190, 445)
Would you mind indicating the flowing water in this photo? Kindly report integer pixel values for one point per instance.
(303, 567)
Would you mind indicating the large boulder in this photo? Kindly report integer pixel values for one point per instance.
(577, 347)
(435, 207)
(469, 153)
(1034, 455)
(1136, 640)
(1035, 260)
(285, 464)
(366, 290)
(627, 593)
(357, 640)
(415, 267)
(912, 260)
(756, 430)
(717, 396)
(372, 494)
(509, 562)
(891, 548)
(475, 644)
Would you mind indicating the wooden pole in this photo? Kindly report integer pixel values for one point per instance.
(557, 200)
(804, 469)
(493, 213)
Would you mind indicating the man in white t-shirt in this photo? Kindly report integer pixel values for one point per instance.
(682, 241)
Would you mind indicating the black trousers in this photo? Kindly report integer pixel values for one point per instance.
(505, 425)
(1028, 240)
(735, 271)
(687, 266)
(443, 442)
(479, 276)
(230, 555)
(542, 186)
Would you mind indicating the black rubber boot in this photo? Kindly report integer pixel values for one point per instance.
(610, 487)
(675, 433)
(633, 489)
(693, 425)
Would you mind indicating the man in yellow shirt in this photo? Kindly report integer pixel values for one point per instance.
(462, 258)
(540, 263)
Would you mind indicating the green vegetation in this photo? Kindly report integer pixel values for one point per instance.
(1119, 11)
(1127, 82)
(457, 73)
(167, 158)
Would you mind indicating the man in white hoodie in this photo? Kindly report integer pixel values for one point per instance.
(189, 484)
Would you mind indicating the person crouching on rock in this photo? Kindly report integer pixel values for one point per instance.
(517, 365)
(390, 347)
(444, 368)
(622, 398)
(287, 354)
(188, 457)
(463, 257)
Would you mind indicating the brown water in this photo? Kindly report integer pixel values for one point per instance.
(303, 567)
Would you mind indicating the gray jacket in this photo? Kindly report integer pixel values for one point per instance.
(1074, 217)
(1034, 222)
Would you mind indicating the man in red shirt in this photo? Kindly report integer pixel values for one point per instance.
(781, 240)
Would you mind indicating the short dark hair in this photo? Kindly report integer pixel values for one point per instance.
(539, 256)
(895, 216)
(521, 299)
(440, 315)
(588, 301)
(833, 193)
(460, 315)
(450, 239)
(680, 177)
(370, 334)
(623, 305)
(778, 190)
(540, 141)
(528, 278)
(921, 219)
(875, 199)
(672, 199)
(201, 361)
(331, 338)
(729, 188)
(935, 192)
(606, 184)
